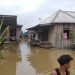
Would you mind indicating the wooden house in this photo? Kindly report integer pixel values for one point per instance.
(57, 29)
(13, 32)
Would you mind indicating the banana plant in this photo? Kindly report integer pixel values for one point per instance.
(1, 36)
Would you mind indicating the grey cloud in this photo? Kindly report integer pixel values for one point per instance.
(44, 9)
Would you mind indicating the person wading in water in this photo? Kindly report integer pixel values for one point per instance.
(64, 61)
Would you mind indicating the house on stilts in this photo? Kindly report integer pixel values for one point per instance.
(58, 29)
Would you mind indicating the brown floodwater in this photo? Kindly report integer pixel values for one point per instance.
(26, 60)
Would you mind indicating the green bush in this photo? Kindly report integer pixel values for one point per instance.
(2, 54)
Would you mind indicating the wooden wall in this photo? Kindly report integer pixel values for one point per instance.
(56, 36)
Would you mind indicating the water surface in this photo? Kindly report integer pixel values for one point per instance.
(26, 60)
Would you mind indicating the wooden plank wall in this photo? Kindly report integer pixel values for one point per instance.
(56, 36)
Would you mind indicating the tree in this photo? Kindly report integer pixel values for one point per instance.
(72, 37)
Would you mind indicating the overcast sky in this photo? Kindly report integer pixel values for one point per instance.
(29, 11)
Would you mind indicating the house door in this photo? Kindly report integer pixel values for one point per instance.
(43, 35)
(66, 38)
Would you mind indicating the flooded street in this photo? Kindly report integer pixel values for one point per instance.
(26, 60)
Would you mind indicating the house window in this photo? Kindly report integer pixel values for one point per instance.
(66, 34)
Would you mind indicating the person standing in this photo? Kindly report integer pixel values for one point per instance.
(64, 61)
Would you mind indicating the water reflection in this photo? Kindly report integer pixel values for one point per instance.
(24, 67)
(44, 60)
(8, 65)
(25, 60)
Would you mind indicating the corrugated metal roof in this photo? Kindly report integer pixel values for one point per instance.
(71, 13)
(60, 17)
(49, 19)
(8, 16)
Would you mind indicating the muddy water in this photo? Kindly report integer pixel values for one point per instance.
(26, 60)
